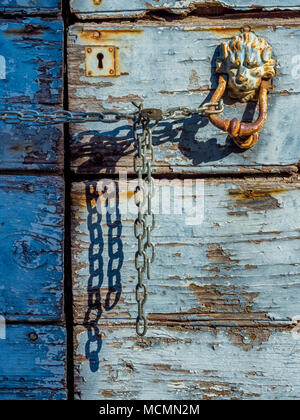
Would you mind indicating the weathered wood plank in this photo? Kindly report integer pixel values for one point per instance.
(174, 363)
(31, 247)
(31, 63)
(32, 363)
(156, 68)
(35, 7)
(240, 266)
(119, 8)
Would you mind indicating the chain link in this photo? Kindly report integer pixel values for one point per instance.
(61, 117)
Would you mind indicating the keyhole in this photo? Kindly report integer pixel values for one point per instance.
(100, 58)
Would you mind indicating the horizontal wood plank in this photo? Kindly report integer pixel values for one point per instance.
(31, 248)
(35, 7)
(120, 8)
(157, 69)
(32, 363)
(172, 363)
(31, 63)
(236, 264)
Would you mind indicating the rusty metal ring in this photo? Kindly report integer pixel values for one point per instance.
(245, 135)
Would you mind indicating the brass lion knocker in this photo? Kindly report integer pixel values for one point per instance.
(246, 67)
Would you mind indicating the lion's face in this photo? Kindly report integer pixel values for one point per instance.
(246, 59)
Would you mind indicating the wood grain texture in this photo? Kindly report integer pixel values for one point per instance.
(172, 363)
(240, 266)
(119, 8)
(31, 63)
(157, 69)
(35, 7)
(32, 363)
(31, 248)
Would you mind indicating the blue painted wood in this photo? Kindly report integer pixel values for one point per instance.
(35, 7)
(120, 8)
(238, 266)
(31, 248)
(31, 60)
(182, 364)
(180, 72)
(32, 363)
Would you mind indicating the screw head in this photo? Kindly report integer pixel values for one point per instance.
(97, 34)
(89, 50)
(111, 71)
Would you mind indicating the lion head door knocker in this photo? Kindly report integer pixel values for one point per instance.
(246, 68)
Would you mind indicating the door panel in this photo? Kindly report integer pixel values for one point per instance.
(236, 268)
(184, 363)
(155, 68)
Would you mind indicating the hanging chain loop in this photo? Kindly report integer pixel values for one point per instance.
(107, 116)
(144, 193)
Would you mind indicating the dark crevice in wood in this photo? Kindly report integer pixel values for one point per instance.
(55, 172)
(68, 289)
(52, 322)
(21, 14)
(244, 175)
(209, 11)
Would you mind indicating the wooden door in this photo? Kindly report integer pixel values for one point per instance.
(33, 333)
(223, 304)
(224, 292)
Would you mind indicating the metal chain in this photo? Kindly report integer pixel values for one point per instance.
(106, 116)
(143, 161)
(60, 117)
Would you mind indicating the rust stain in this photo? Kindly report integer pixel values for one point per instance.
(98, 36)
(257, 199)
(222, 31)
(107, 393)
(250, 267)
(79, 198)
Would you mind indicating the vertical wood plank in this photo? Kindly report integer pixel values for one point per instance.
(32, 363)
(31, 248)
